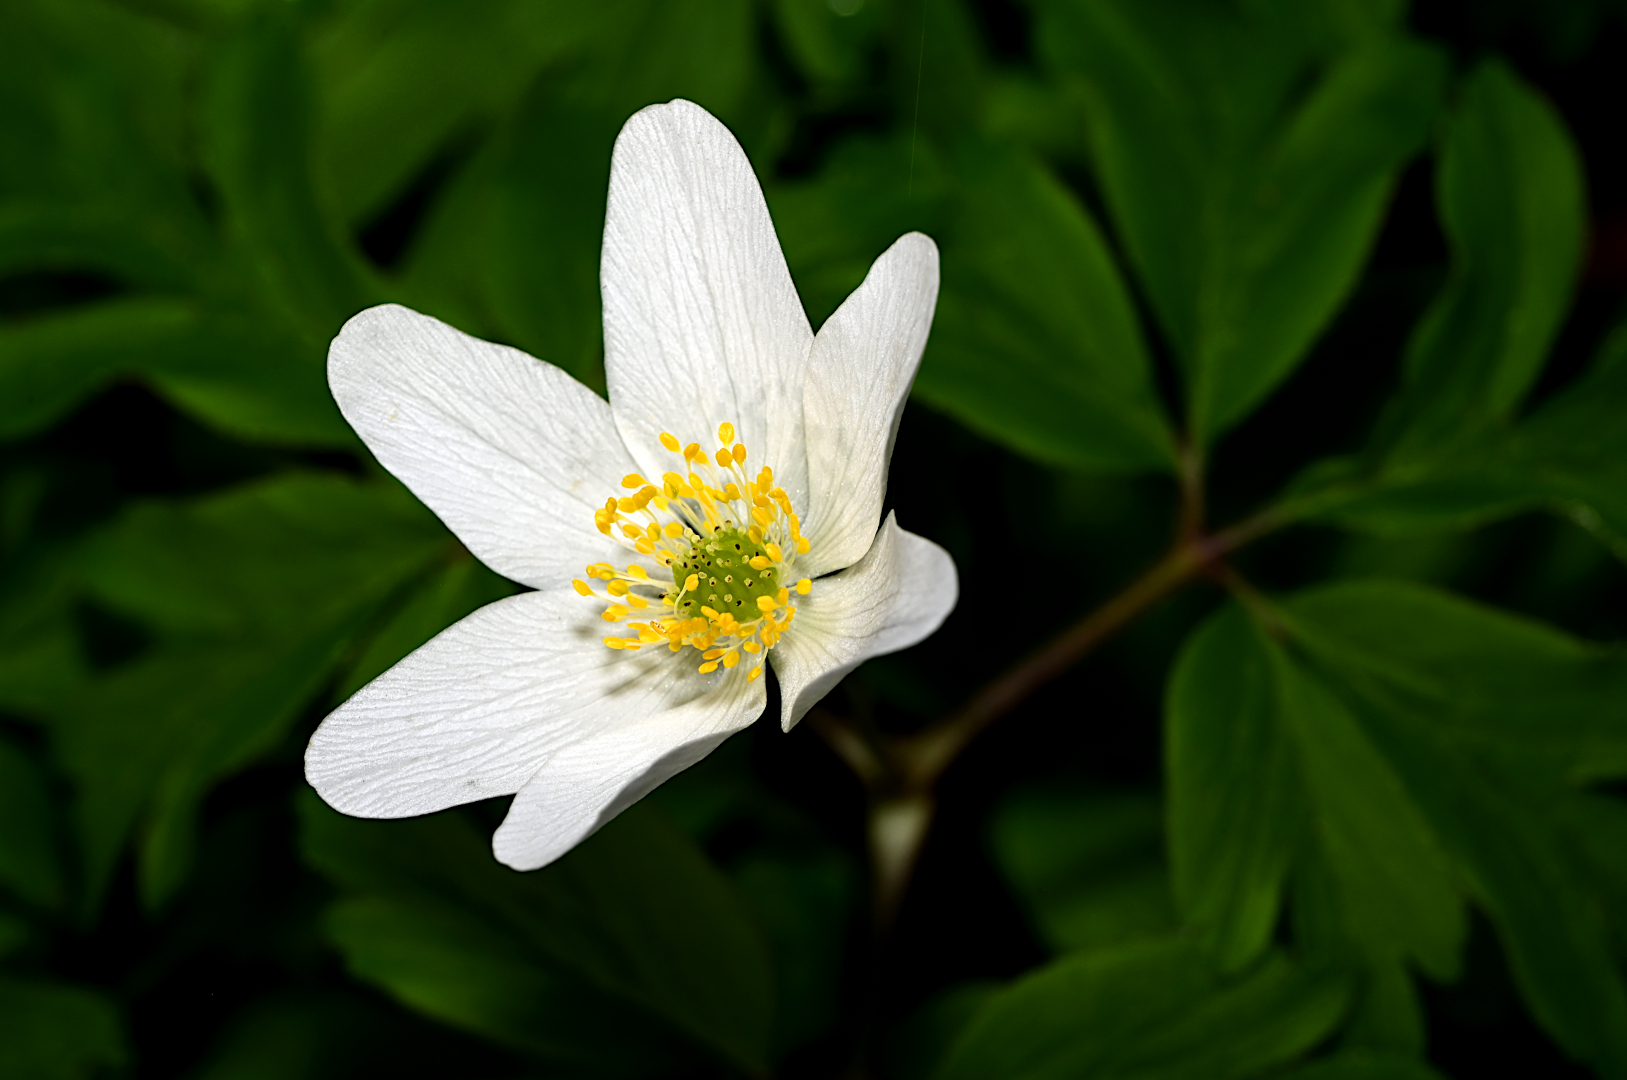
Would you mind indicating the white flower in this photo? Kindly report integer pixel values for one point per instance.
(707, 352)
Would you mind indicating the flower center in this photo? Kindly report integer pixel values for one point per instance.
(724, 549)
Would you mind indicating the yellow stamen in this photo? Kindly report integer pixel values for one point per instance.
(725, 433)
(582, 587)
(803, 586)
(669, 442)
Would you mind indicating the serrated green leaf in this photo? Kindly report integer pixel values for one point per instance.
(627, 955)
(1035, 342)
(1150, 1010)
(1247, 159)
(53, 1031)
(1088, 865)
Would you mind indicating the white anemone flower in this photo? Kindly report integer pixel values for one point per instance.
(657, 601)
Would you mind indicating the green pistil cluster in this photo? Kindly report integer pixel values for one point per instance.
(727, 580)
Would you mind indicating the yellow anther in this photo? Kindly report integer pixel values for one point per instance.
(652, 531)
(708, 667)
(616, 588)
(635, 570)
(725, 433)
(632, 480)
(784, 596)
(692, 582)
(739, 452)
(723, 458)
(803, 586)
(610, 504)
(632, 532)
(731, 492)
(637, 600)
(756, 534)
(644, 547)
(616, 642)
(762, 515)
(759, 562)
(669, 442)
(751, 647)
(755, 673)
(582, 587)
(604, 527)
(712, 654)
(708, 612)
(673, 530)
(693, 451)
(774, 551)
(766, 603)
(649, 637)
(730, 659)
(803, 545)
(626, 505)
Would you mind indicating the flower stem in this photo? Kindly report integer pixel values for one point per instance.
(899, 773)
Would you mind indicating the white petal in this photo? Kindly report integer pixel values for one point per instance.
(859, 374)
(901, 591)
(702, 325)
(586, 784)
(512, 453)
(478, 709)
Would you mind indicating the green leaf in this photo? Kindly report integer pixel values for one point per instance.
(1233, 790)
(1491, 723)
(547, 217)
(254, 595)
(1373, 886)
(1568, 457)
(1087, 865)
(1360, 1065)
(30, 859)
(40, 653)
(1247, 159)
(50, 1031)
(257, 146)
(262, 558)
(1510, 195)
(397, 83)
(446, 596)
(1151, 1010)
(238, 372)
(627, 956)
(868, 193)
(1035, 342)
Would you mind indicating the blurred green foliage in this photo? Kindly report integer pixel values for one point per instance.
(1327, 254)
